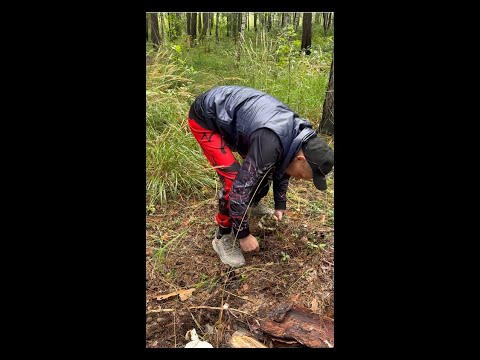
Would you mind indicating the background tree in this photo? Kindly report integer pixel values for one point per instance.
(146, 25)
(307, 33)
(205, 24)
(216, 28)
(327, 122)
(178, 24)
(297, 21)
(189, 19)
(327, 18)
(210, 16)
(162, 28)
(154, 30)
(193, 28)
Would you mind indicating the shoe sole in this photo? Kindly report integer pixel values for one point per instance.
(218, 253)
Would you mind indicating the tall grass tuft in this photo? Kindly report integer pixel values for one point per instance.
(174, 162)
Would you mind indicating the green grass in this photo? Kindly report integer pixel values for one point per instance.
(177, 73)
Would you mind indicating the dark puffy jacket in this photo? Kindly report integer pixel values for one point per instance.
(237, 111)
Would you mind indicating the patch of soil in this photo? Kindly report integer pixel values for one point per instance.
(294, 266)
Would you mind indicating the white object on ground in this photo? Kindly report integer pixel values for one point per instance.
(196, 342)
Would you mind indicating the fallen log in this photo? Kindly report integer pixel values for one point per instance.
(300, 324)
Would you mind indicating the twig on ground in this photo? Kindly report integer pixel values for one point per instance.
(228, 292)
(219, 308)
(159, 310)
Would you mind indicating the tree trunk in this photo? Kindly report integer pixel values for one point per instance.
(170, 25)
(178, 25)
(255, 21)
(154, 30)
(317, 18)
(200, 26)
(327, 17)
(329, 20)
(210, 16)
(298, 21)
(205, 23)
(189, 18)
(243, 20)
(269, 26)
(216, 28)
(307, 33)
(235, 27)
(193, 28)
(162, 29)
(229, 20)
(146, 25)
(326, 124)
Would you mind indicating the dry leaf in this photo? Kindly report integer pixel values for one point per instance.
(149, 252)
(314, 305)
(322, 219)
(184, 294)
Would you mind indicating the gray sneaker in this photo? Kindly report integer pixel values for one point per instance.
(228, 250)
(260, 210)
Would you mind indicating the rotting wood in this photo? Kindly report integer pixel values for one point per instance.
(300, 324)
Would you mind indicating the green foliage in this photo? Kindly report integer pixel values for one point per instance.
(285, 256)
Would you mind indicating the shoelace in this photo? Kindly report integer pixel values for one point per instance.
(229, 247)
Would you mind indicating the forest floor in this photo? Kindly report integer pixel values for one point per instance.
(294, 266)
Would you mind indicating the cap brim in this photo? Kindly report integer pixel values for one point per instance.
(319, 182)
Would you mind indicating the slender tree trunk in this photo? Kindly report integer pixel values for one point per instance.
(243, 20)
(327, 122)
(169, 31)
(307, 32)
(146, 25)
(255, 21)
(154, 30)
(189, 18)
(204, 26)
(317, 18)
(235, 27)
(193, 28)
(229, 20)
(269, 21)
(298, 21)
(216, 28)
(329, 21)
(325, 23)
(200, 25)
(178, 25)
(162, 29)
(210, 16)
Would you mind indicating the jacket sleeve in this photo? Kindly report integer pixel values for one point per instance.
(264, 152)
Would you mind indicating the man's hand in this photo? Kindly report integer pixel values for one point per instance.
(278, 214)
(249, 243)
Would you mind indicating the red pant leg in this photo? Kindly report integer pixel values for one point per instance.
(220, 156)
